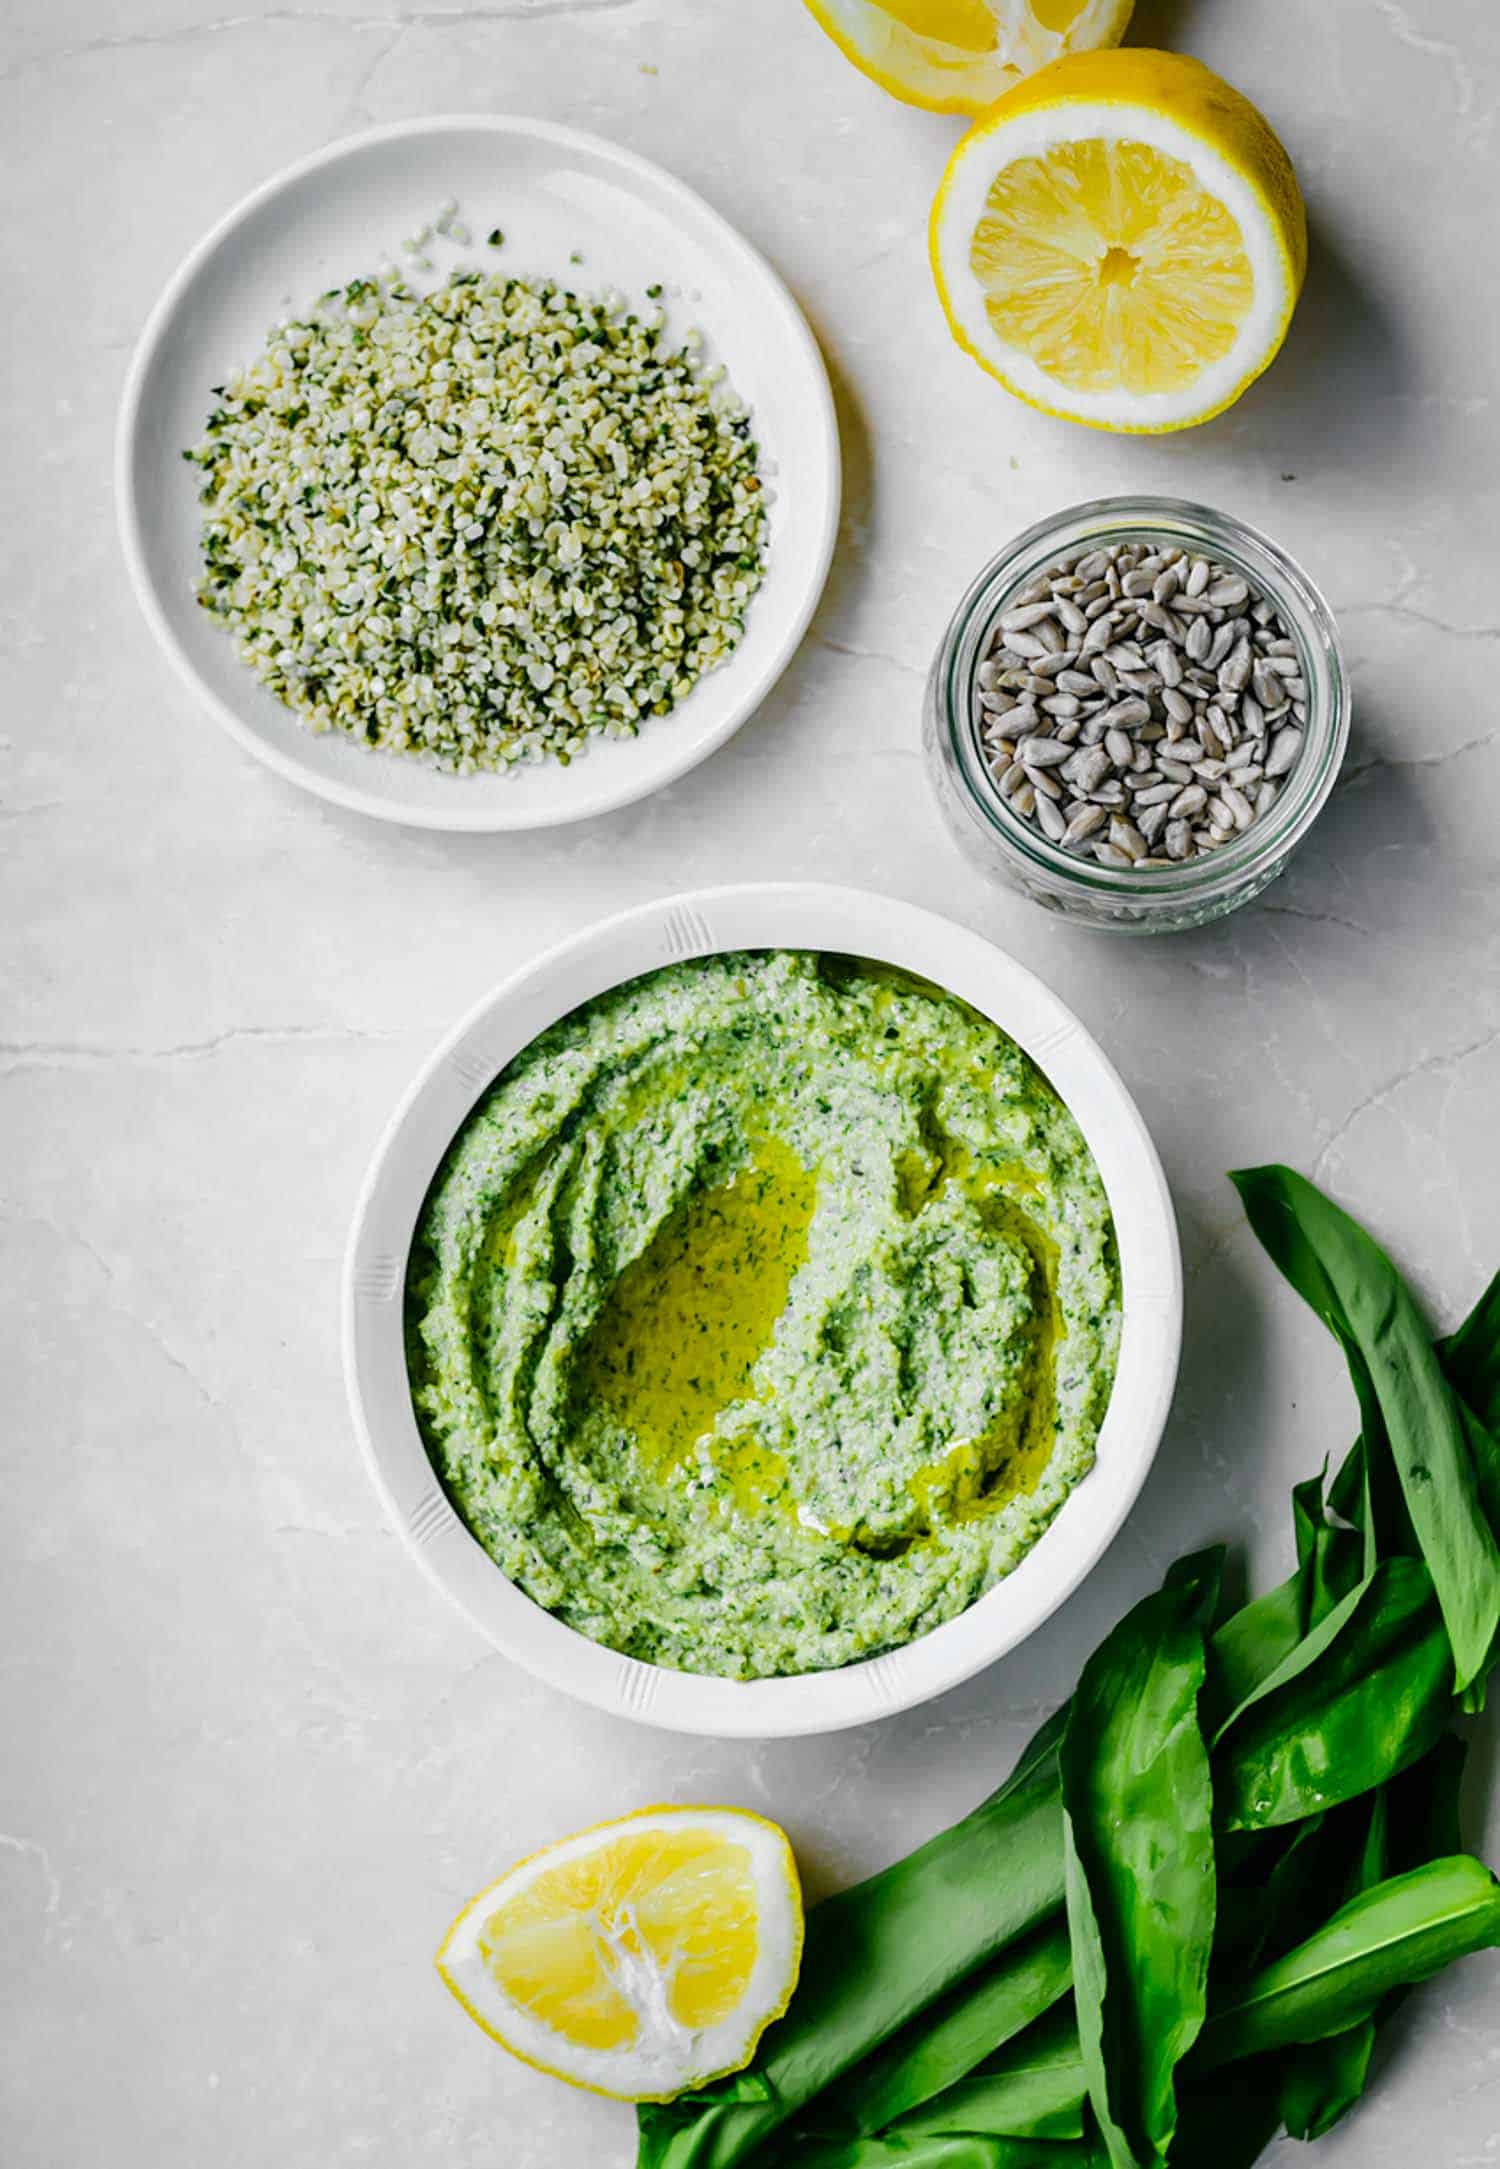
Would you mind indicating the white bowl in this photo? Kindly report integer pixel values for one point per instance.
(781, 915)
(554, 191)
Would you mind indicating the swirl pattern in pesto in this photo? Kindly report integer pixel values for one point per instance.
(764, 1313)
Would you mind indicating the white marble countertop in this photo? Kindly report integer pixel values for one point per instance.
(253, 1763)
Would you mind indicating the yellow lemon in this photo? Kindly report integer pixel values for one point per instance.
(639, 1958)
(956, 56)
(1121, 240)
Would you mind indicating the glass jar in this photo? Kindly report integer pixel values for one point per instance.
(1009, 849)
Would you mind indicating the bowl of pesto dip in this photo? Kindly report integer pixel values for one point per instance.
(763, 1310)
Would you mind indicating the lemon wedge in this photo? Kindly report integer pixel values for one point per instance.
(1121, 241)
(639, 1958)
(958, 56)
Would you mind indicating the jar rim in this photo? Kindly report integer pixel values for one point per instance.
(1182, 523)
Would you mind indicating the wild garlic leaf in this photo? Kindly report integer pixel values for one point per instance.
(1373, 1698)
(1401, 1931)
(1351, 1283)
(1138, 1813)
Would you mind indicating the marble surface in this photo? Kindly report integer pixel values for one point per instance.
(253, 1763)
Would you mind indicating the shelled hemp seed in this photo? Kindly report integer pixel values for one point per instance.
(482, 525)
(1141, 705)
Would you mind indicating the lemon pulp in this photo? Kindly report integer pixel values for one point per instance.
(1109, 266)
(967, 24)
(677, 1903)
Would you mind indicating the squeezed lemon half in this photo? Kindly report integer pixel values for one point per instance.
(1121, 241)
(639, 1958)
(958, 56)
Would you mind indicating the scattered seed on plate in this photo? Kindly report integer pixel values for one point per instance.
(483, 525)
(1141, 706)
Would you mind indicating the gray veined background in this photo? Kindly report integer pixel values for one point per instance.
(252, 1763)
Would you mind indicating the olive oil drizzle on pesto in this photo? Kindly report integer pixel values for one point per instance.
(686, 1324)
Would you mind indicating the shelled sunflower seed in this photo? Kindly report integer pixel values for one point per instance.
(1141, 705)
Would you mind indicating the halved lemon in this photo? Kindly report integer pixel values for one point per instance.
(1121, 241)
(957, 56)
(640, 1958)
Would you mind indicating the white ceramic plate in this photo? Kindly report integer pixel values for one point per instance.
(552, 191)
(772, 916)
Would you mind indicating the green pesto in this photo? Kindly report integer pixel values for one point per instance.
(764, 1313)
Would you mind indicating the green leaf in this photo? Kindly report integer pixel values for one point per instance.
(1400, 1932)
(946, 2043)
(1471, 1358)
(1301, 1658)
(938, 2150)
(1250, 1645)
(1382, 1516)
(1366, 1492)
(1374, 1698)
(1330, 1559)
(1421, 1824)
(1140, 1866)
(1272, 1891)
(1033, 2088)
(1352, 1284)
(878, 1955)
(1484, 1451)
(1471, 1362)
(1322, 2080)
(1248, 1661)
